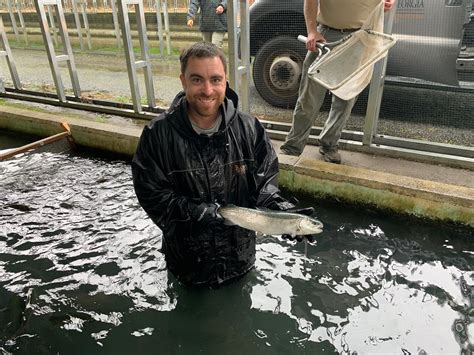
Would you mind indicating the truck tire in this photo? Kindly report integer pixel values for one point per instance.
(277, 70)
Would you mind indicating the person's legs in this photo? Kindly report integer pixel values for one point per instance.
(310, 98)
(331, 133)
(218, 38)
(207, 36)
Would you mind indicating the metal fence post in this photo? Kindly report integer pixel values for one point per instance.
(167, 27)
(233, 42)
(86, 24)
(78, 23)
(159, 24)
(13, 20)
(53, 26)
(132, 64)
(376, 89)
(239, 70)
(22, 22)
(54, 59)
(244, 67)
(116, 24)
(6, 52)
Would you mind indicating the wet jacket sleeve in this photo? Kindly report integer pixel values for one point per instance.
(266, 175)
(154, 191)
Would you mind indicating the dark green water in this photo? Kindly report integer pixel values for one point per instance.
(81, 273)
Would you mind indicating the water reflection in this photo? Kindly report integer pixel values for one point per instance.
(80, 264)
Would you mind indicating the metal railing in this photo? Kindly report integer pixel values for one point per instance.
(369, 136)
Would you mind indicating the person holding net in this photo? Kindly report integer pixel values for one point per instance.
(213, 20)
(335, 20)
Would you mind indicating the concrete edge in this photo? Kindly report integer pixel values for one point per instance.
(401, 194)
(97, 135)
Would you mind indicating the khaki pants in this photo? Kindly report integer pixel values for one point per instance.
(216, 38)
(310, 99)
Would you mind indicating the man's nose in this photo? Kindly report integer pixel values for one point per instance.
(207, 87)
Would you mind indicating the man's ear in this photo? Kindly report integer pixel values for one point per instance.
(183, 81)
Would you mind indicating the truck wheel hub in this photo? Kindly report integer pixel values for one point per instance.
(284, 73)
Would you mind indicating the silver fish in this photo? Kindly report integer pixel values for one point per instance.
(271, 222)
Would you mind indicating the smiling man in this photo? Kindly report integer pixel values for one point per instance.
(204, 83)
(200, 154)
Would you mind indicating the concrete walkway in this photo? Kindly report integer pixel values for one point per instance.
(400, 186)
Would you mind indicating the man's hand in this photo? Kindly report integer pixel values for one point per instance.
(290, 206)
(207, 213)
(388, 4)
(313, 38)
(219, 9)
(190, 23)
(299, 238)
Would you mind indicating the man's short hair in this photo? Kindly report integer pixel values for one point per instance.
(201, 50)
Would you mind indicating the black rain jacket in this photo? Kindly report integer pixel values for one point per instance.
(174, 169)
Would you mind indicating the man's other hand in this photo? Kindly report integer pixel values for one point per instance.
(207, 213)
(313, 38)
(190, 23)
(219, 9)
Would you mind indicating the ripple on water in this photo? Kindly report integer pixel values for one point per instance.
(80, 264)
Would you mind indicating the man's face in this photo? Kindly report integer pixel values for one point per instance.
(204, 83)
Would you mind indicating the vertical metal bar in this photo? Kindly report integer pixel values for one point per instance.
(244, 67)
(116, 24)
(129, 55)
(9, 56)
(78, 23)
(167, 27)
(53, 26)
(22, 22)
(50, 50)
(13, 20)
(376, 89)
(150, 90)
(159, 24)
(86, 25)
(67, 49)
(233, 42)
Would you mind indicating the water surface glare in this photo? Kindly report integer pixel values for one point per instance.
(81, 272)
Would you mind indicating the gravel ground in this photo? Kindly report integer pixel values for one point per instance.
(430, 115)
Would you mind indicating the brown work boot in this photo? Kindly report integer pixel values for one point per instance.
(330, 154)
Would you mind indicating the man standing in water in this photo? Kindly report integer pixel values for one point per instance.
(200, 154)
(336, 19)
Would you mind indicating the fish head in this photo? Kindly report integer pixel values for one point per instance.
(310, 226)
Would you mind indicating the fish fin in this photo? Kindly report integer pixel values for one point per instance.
(231, 205)
(228, 223)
